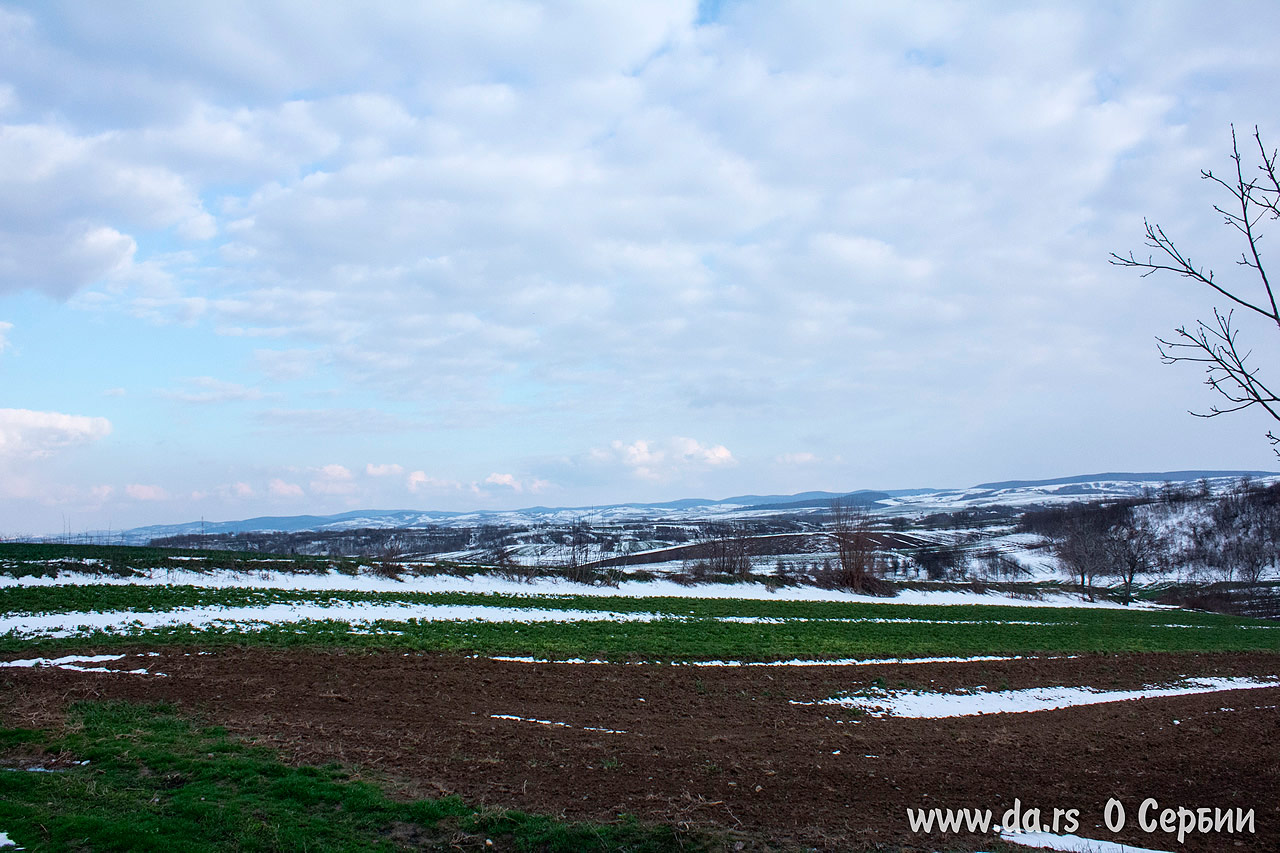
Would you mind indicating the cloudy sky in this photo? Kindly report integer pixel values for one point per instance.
(282, 258)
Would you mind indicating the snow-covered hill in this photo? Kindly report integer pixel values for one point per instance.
(903, 502)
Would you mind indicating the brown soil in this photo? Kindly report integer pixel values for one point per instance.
(726, 747)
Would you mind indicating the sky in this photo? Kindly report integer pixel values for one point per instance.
(274, 258)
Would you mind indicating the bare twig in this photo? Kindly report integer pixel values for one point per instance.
(1216, 346)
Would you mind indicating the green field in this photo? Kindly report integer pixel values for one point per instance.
(24, 559)
(155, 781)
(678, 628)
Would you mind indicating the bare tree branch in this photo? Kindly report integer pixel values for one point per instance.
(1254, 199)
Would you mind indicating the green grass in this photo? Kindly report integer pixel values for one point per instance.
(156, 781)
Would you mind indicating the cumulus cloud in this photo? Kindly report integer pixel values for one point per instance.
(421, 481)
(508, 480)
(280, 489)
(386, 470)
(62, 196)
(664, 460)
(30, 434)
(333, 480)
(62, 260)
(142, 492)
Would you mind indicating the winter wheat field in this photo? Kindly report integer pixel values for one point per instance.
(206, 699)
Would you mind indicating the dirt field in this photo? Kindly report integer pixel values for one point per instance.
(727, 747)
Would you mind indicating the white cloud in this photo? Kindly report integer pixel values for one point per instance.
(280, 489)
(508, 480)
(62, 260)
(62, 196)
(141, 492)
(29, 434)
(385, 470)
(669, 459)
(5, 328)
(333, 480)
(421, 481)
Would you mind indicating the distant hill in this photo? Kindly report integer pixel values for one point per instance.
(1162, 477)
(1010, 492)
(860, 498)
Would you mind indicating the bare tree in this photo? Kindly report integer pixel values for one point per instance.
(855, 547)
(726, 550)
(1246, 521)
(1255, 197)
(1083, 546)
(1134, 546)
(577, 544)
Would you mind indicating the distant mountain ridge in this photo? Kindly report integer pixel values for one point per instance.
(1166, 476)
(1014, 491)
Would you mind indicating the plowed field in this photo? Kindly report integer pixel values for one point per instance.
(729, 746)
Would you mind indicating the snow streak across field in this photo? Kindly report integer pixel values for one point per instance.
(918, 704)
(367, 615)
(491, 584)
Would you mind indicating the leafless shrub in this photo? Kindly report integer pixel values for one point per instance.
(859, 562)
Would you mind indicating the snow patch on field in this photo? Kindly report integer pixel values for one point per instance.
(72, 662)
(554, 723)
(1070, 843)
(334, 581)
(73, 624)
(62, 661)
(364, 616)
(932, 706)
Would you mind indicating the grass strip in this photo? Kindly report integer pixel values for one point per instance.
(702, 639)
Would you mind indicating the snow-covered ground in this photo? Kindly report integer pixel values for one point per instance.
(1070, 843)
(74, 663)
(366, 614)
(932, 706)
